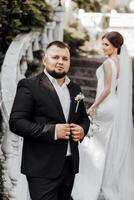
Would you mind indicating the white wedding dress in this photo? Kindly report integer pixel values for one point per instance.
(100, 177)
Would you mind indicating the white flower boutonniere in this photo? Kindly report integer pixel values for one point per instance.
(78, 98)
(94, 128)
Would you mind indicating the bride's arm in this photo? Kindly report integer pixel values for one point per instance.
(106, 91)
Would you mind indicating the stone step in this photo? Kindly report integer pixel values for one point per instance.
(89, 92)
(83, 77)
(83, 71)
(84, 81)
(88, 88)
(86, 62)
(88, 101)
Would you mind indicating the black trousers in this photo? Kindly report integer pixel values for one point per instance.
(53, 189)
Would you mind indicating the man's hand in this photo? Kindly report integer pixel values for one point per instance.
(63, 131)
(77, 132)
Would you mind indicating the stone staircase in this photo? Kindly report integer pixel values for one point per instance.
(82, 71)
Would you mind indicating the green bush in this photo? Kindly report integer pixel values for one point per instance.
(74, 42)
(90, 5)
(19, 16)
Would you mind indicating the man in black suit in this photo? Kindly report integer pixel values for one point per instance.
(46, 113)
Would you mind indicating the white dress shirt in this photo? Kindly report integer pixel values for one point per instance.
(64, 97)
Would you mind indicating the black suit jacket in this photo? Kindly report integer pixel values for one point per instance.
(35, 112)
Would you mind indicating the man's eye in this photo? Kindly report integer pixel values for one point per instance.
(66, 59)
(55, 57)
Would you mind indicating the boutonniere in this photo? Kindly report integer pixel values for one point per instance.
(94, 128)
(78, 98)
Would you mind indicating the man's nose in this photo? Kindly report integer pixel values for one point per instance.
(60, 60)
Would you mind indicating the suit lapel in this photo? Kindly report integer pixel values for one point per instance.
(73, 104)
(49, 88)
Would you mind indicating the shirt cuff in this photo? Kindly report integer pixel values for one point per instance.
(55, 135)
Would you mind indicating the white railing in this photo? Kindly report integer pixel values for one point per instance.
(13, 69)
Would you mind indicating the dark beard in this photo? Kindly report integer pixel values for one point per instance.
(57, 75)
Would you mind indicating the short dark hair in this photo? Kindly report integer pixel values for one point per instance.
(115, 38)
(59, 44)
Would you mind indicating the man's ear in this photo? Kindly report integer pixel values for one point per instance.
(44, 59)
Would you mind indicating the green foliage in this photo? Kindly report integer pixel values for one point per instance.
(105, 22)
(90, 5)
(75, 34)
(34, 14)
(74, 42)
(21, 16)
(36, 65)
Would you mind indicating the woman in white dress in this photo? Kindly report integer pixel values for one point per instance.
(107, 159)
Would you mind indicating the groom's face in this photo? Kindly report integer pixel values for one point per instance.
(57, 61)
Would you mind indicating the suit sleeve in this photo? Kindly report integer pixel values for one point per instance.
(21, 122)
(84, 121)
